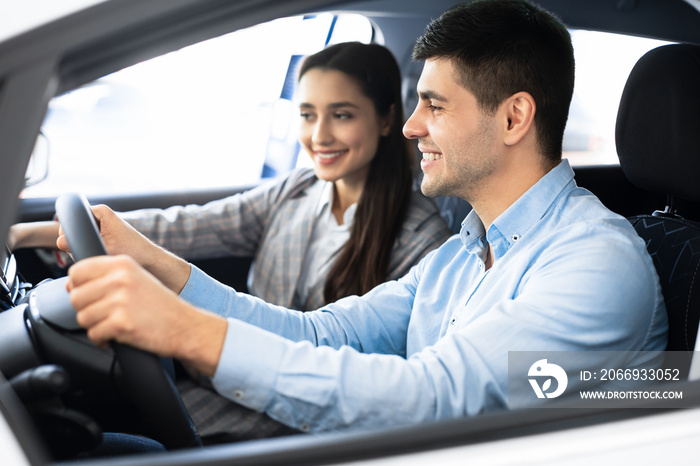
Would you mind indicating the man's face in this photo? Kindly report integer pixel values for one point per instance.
(457, 140)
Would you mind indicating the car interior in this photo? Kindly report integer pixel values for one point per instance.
(63, 394)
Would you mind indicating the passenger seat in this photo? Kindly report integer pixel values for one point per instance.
(657, 143)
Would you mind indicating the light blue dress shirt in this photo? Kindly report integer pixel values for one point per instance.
(569, 275)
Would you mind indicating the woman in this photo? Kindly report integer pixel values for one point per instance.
(342, 228)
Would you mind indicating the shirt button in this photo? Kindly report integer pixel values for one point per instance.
(238, 394)
(481, 265)
(305, 427)
(515, 237)
(453, 320)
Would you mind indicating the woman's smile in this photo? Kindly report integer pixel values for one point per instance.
(328, 157)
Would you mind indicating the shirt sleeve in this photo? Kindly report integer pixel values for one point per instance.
(230, 226)
(317, 370)
(375, 323)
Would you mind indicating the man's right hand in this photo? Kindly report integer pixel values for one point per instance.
(116, 299)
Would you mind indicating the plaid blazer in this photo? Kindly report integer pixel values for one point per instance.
(273, 223)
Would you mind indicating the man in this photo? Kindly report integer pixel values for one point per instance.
(538, 265)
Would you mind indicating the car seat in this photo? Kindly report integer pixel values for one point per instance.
(453, 210)
(656, 137)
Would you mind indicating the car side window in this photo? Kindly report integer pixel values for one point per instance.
(214, 114)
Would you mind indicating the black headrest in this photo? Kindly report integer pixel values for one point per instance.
(658, 122)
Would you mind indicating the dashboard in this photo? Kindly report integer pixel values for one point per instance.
(13, 290)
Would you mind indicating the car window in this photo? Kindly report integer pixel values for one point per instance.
(213, 114)
(603, 62)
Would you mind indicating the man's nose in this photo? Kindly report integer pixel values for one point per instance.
(414, 127)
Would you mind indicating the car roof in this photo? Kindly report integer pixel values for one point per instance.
(98, 22)
(31, 14)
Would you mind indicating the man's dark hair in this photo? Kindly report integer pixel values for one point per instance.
(501, 47)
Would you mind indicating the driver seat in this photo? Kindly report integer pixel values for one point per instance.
(656, 139)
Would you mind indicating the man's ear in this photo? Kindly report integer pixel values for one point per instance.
(387, 122)
(520, 113)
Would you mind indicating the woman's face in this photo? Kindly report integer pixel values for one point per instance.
(340, 128)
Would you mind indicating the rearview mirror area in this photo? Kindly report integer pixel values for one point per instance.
(38, 168)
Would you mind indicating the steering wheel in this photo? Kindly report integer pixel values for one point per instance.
(146, 384)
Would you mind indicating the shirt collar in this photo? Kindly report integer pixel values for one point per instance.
(326, 201)
(326, 197)
(514, 223)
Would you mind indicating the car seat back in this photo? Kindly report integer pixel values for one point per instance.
(656, 138)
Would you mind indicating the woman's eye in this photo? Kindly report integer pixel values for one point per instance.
(305, 115)
(343, 116)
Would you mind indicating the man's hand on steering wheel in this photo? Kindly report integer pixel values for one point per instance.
(109, 291)
(118, 300)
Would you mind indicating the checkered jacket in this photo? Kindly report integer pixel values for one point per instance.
(273, 223)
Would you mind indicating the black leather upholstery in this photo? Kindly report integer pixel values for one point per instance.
(453, 210)
(656, 137)
(674, 246)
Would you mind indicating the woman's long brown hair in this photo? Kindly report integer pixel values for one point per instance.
(364, 260)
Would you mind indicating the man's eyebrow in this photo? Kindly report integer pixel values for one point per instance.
(431, 95)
